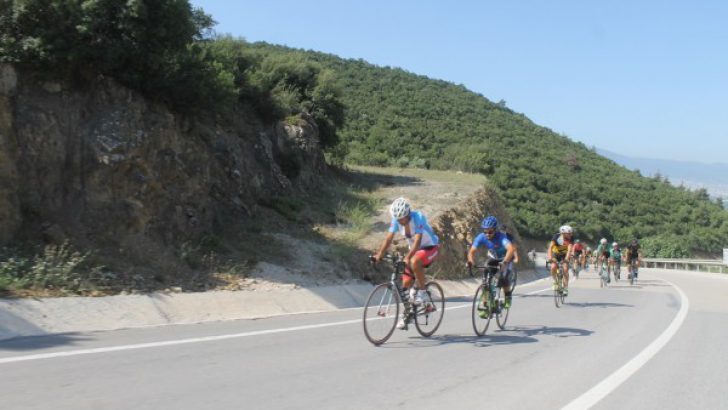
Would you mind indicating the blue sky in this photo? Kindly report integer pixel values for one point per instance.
(641, 78)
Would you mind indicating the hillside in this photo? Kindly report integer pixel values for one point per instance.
(394, 117)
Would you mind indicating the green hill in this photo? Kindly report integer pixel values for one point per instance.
(394, 117)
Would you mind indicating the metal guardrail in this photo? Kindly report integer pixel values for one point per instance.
(686, 264)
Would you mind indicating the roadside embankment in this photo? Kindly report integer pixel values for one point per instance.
(36, 317)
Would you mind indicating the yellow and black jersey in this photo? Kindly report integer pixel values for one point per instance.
(559, 245)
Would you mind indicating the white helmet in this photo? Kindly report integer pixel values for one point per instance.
(614, 244)
(400, 208)
(566, 229)
(603, 241)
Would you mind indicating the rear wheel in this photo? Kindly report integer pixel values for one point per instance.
(481, 307)
(381, 313)
(428, 316)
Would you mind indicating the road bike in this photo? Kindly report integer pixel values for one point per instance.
(633, 270)
(604, 273)
(559, 294)
(489, 299)
(382, 308)
(617, 269)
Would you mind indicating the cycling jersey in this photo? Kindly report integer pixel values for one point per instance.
(499, 243)
(417, 225)
(615, 254)
(578, 248)
(633, 252)
(603, 250)
(559, 245)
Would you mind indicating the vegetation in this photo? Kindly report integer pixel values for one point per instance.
(165, 49)
(366, 114)
(396, 118)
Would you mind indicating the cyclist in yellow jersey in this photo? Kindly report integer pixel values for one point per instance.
(559, 251)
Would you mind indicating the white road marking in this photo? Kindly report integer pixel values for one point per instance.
(98, 350)
(608, 385)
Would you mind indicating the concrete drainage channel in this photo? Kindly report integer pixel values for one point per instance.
(37, 317)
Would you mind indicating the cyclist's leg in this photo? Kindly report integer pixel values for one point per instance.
(554, 269)
(565, 265)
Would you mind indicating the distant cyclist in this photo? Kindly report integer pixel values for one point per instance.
(423, 246)
(578, 250)
(559, 251)
(603, 255)
(588, 257)
(615, 259)
(503, 248)
(633, 257)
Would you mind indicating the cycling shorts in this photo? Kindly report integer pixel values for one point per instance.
(427, 254)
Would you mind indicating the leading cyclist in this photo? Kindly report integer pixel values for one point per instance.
(423, 247)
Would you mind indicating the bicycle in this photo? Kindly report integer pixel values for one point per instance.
(604, 273)
(489, 297)
(382, 308)
(559, 296)
(617, 269)
(576, 266)
(633, 271)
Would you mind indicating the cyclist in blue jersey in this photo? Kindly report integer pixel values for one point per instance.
(423, 246)
(502, 248)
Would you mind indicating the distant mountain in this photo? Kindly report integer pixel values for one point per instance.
(713, 177)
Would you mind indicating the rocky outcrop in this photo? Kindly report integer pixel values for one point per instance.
(106, 168)
(458, 227)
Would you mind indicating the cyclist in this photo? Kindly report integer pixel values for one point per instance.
(603, 255)
(423, 247)
(615, 259)
(559, 251)
(588, 257)
(633, 256)
(503, 249)
(578, 250)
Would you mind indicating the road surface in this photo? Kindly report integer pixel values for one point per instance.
(657, 345)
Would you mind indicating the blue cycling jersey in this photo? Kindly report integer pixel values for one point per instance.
(499, 243)
(417, 225)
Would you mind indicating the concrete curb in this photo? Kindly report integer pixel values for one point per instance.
(37, 317)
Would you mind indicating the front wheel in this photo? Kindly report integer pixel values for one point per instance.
(481, 310)
(428, 315)
(559, 289)
(381, 313)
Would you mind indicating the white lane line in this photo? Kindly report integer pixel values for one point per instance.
(98, 350)
(79, 352)
(614, 380)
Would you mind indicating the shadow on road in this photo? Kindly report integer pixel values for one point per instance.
(42, 342)
(598, 304)
(514, 335)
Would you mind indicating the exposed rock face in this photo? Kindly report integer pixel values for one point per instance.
(104, 166)
(458, 227)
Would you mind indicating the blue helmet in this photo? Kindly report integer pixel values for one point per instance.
(489, 222)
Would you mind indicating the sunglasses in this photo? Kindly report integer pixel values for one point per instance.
(489, 231)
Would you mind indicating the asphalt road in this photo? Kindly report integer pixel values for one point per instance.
(657, 345)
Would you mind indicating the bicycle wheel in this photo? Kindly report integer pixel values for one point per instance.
(559, 287)
(381, 313)
(480, 325)
(501, 315)
(428, 316)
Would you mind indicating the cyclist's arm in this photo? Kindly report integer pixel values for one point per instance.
(471, 255)
(385, 245)
(549, 251)
(510, 251)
